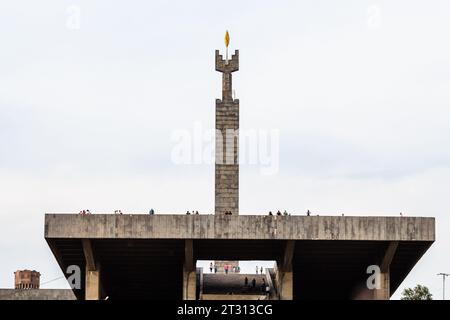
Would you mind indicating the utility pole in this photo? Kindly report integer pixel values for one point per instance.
(443, 283)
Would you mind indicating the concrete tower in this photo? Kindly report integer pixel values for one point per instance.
(227, 140)
(227, 146)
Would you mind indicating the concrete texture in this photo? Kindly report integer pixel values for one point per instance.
(189, 272)
(92, 285)
(37, 294)
(189, 285)
(227, 147)
(227, 141)
(286, 287)
(108, 226)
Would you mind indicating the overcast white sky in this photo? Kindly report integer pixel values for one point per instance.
(359, 91)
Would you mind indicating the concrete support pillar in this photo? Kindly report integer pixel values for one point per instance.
(92, 281)
(189, 284)
(286, 285)
(189, 272)
(92, 285)
(285, 275)
(384, 292)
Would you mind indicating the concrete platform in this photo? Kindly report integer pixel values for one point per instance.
(108, 226)
(326, 257)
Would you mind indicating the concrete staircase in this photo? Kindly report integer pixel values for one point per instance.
(233, 284)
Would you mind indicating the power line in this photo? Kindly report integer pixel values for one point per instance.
(46, 282)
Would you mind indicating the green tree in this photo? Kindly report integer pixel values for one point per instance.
(418, 293)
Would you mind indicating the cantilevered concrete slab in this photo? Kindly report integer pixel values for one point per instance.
(243, 227)
(318, 257)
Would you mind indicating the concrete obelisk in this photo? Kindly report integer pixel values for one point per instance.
(227, 144)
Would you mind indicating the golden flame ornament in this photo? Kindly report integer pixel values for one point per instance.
(227, 39)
